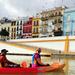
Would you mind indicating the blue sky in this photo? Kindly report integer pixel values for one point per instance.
(22, 8)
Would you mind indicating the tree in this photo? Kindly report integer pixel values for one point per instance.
(4, 32)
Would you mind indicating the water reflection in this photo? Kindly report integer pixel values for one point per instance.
(66, 69)
(69, 68)
(52, 73)
(47, 73)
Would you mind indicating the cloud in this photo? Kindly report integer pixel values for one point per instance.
(29, 7)
(8, 7)
(23, 7)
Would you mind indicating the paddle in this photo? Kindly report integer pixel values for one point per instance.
(20, 54)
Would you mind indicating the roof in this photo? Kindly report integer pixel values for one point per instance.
(70, 10)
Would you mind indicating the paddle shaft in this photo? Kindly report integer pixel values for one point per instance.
(20, 54)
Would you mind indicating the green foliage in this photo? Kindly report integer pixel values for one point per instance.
(3, 32)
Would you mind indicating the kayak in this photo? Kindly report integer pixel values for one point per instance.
(51, 68)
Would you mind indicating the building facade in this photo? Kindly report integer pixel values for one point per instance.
(36, 27)
(44, 25)
(52, 19)
(57, 15)
(13, 30)
(5, 24)
(69, 22)
(27, 28)
(19, 27)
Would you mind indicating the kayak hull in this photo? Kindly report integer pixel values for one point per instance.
(52, 68)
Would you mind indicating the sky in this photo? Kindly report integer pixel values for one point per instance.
(23, 8)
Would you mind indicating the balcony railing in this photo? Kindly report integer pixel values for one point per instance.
(44, 18)
(35, 33)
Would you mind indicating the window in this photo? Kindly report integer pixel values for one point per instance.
(14, 22)
(12, 29)
(17, 29)
(11, 23)
(34, 23)
(60, 13)
(37, 22)
(20, 33)
(55, 21)
(59, 20)
(36, 30)
(56, 14)
(18, 23)
(21, 23)
(8, 29)
(14, 35)
(17, 33)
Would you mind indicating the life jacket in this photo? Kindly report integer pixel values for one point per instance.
(2, 60)
(34, 58)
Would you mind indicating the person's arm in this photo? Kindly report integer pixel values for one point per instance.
(8, 61)
(39, 61)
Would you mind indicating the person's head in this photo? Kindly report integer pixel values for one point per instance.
(39, 50)
(4, 51)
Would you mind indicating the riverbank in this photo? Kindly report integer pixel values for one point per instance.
(63, 55)
(62, 43)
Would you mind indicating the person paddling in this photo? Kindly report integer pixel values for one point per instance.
(36, 59)
(4, 62)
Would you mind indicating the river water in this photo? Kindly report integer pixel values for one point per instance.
(69, 68)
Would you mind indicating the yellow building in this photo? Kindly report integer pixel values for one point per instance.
(35, 27)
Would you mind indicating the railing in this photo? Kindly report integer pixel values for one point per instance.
(66, 40)
(66, 46)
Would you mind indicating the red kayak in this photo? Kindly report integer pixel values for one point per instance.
(51, 68)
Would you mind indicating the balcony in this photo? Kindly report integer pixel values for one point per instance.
(60, 15)
(44, 18)
(59, 21)
(55, 22)
(52, 15)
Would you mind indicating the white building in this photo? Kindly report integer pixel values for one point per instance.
(7, 27)
(19, 26)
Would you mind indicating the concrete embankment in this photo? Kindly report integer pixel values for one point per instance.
(61, 43)
(64, 56)
(20, 49)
